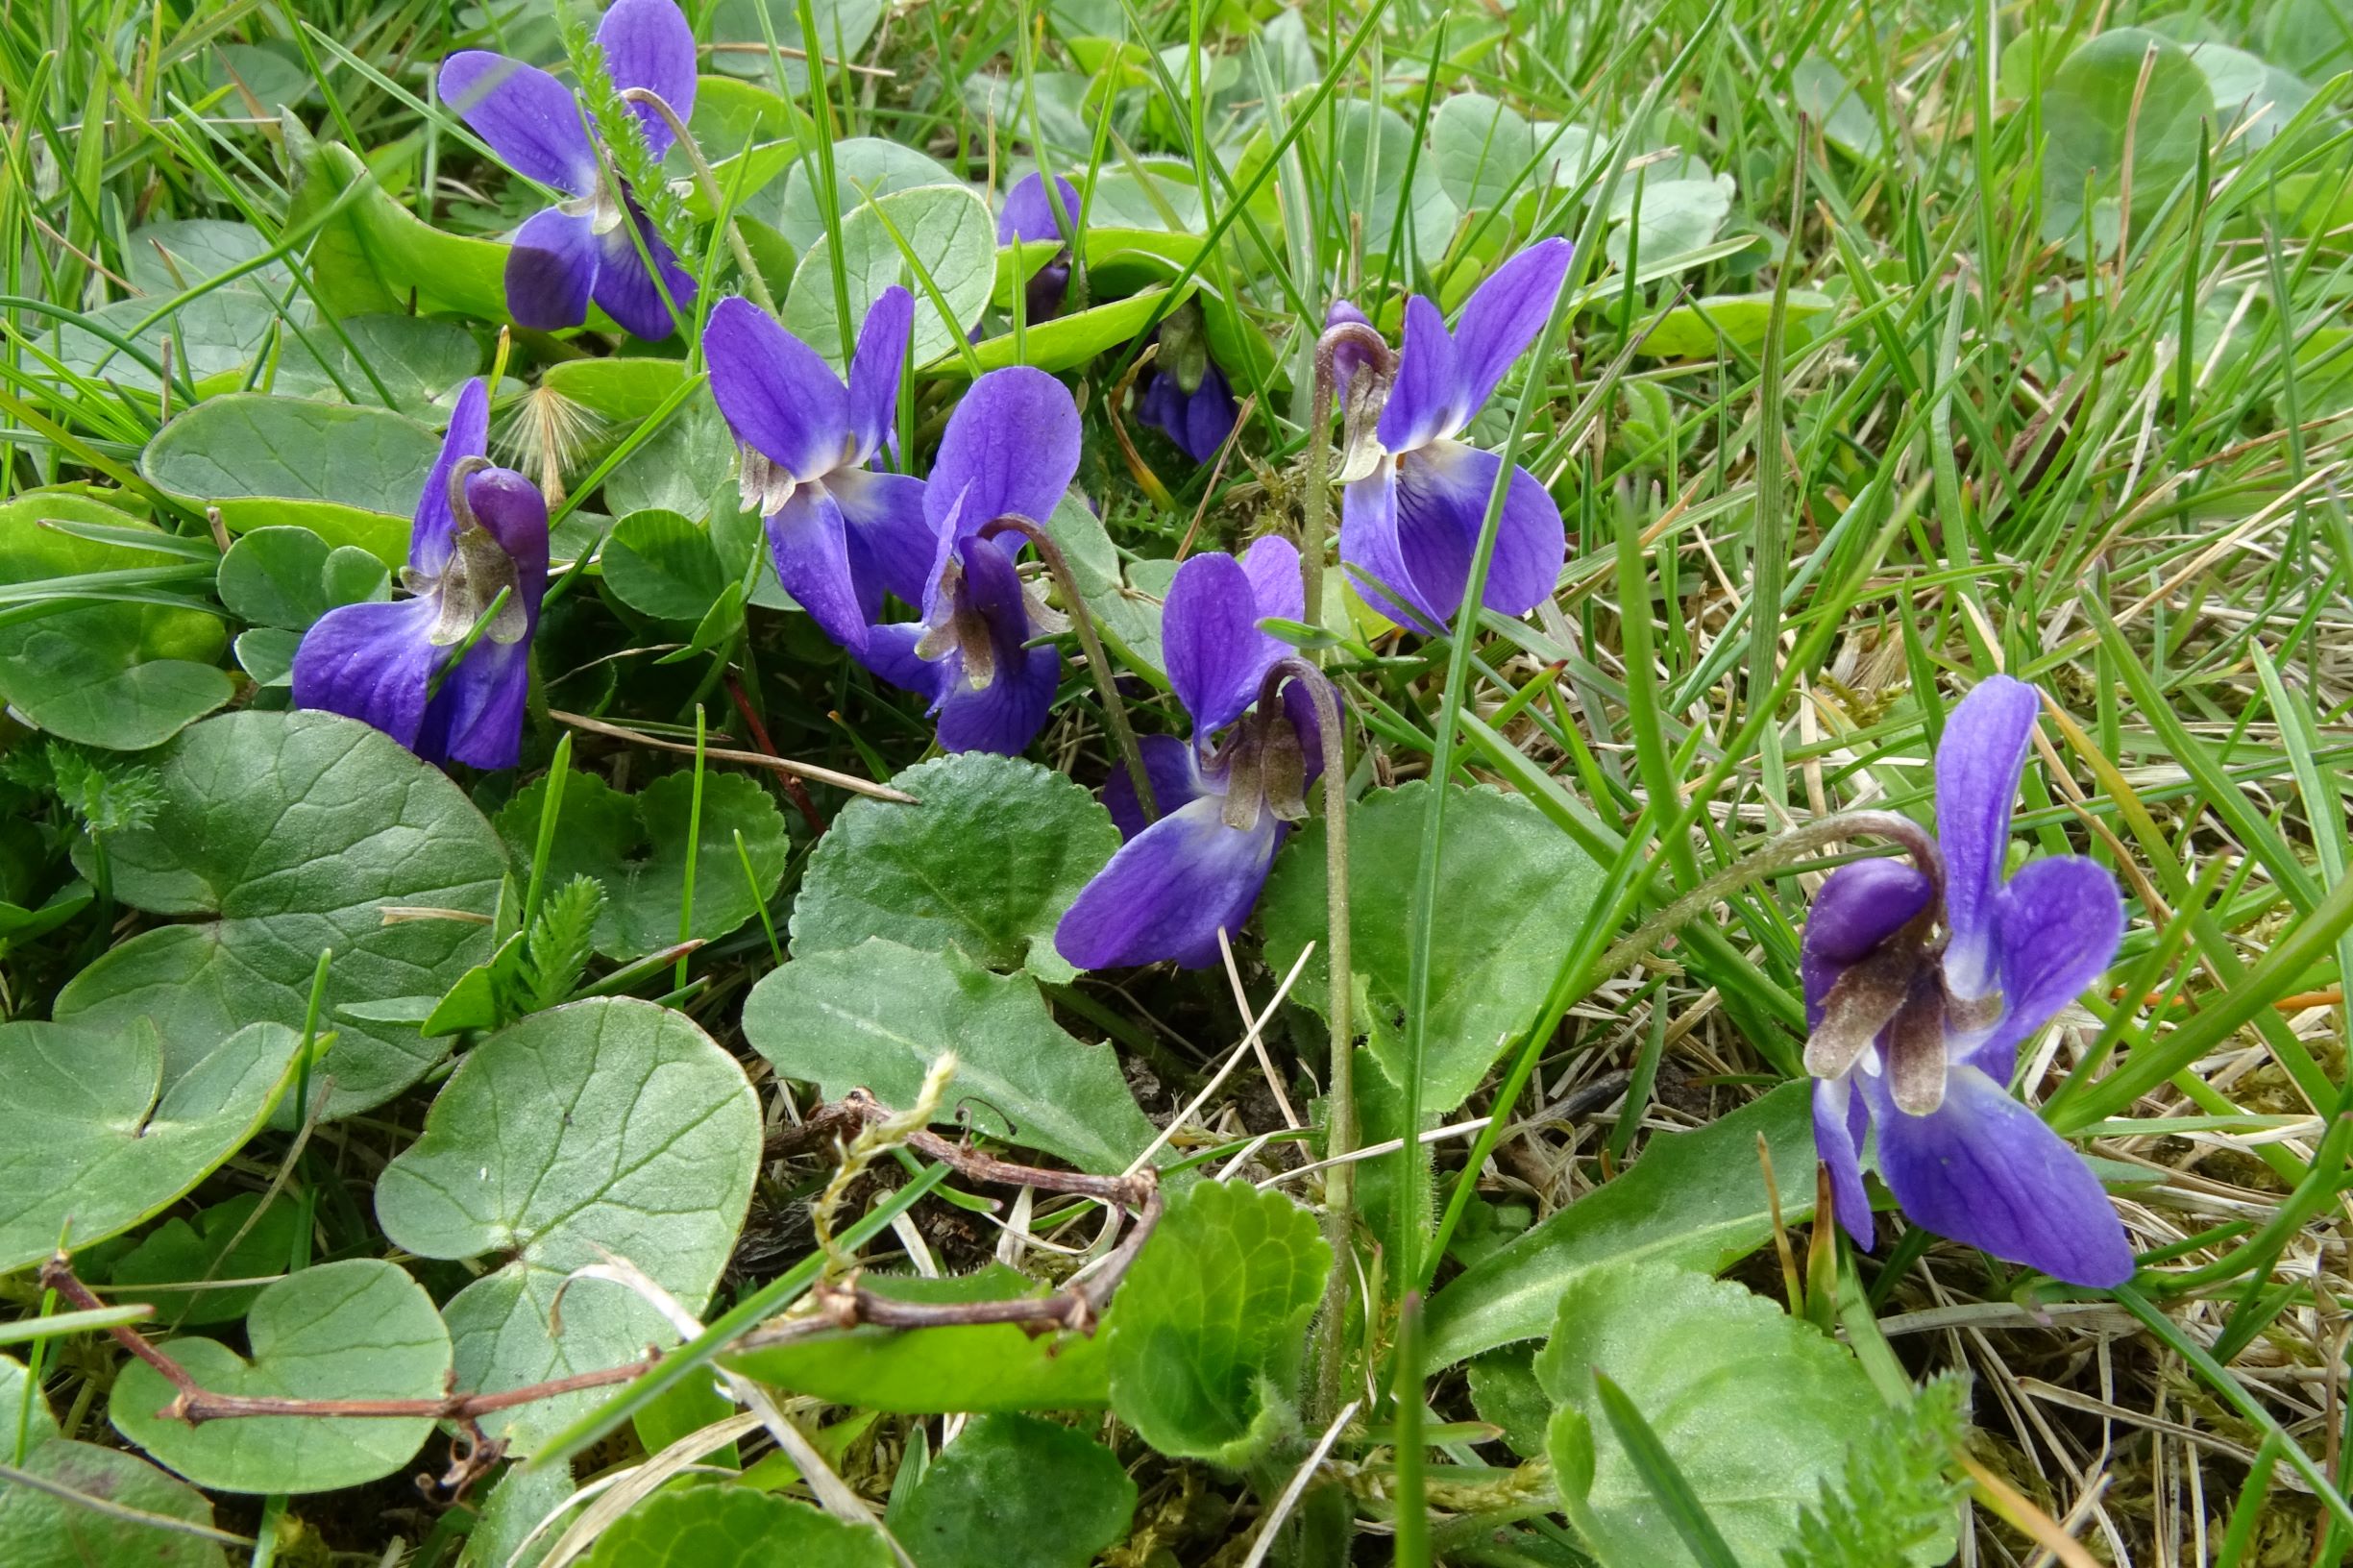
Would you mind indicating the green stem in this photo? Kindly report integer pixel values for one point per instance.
(1098, 662)
(1316, 512)
(707, 179)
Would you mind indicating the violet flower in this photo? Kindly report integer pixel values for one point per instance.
(478, 529)
(840, 535)
(1197, 421)
(1224, 812)
(581, 248)
(1029, 213)
(1411, 514)
(1918, 995)
(1009, 452)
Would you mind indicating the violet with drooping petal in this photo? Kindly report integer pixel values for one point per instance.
(1198, 870)
(1198, 421)
(1412, 511)
(1920, 984)
(581, 248)
(478, 529)
(840, 535)
(1010, 449)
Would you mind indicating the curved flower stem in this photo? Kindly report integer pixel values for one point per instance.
(754, 285)
(1098, 662)
(1784, 852)
(1318, 509)
(1340, 1128)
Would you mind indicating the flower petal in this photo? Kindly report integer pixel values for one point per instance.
(477, 716)
(1421, 404)
(551, 271)
(1442, 492)
(2056, 926)
(1175, 772)
(1860, 906)
(1984, 1170)
(1502, 317)
(647, 44)
(890, 653)
(1272, 563)
(875, 370)
(1214, 653)
(625, 290)
(1028, 214)
(777, 394)
(1840, 1119)
(1009, 449)
(510, 509)
(531, 120)
(810, 545)
(891, 547)
(1007, 714)
(1169, 891)
(1198, 423)
(371, 662)
(432, 535)
(1369, 549)
(1978, 763)
(1347, 358)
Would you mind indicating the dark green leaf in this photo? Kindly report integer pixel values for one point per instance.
(1015, 1478)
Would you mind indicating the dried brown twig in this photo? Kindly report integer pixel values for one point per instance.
(1075, 1309)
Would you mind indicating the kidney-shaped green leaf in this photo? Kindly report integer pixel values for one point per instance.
(610, 1126)
(2095, 108)
(94, 1138)
(358, 1328)
(295, 832)
(947, 228)
(1060, 1494)
(43, 1530)
(734, 1527)
(118, 675)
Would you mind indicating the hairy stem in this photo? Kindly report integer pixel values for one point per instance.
(706, 178)
(1316, 512)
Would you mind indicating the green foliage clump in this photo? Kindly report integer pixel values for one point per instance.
(1899, 1489)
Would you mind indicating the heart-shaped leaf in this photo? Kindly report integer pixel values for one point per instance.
(947, 228)
(95, 1138)
(637, 847)
(296, 832)
(863, 166)
(877, 1015)
(118, 675)
(1209, 1331)
(988, 863)
(2097, 109)
(1755, 1407)
(1013, 1477)
(604, 1128)
(288, 578)
(1512, 893)
(659, 564)
(358, 1328)
(225, 1242)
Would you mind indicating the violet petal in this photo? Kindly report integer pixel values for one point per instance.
(431, 536)
(1169, 891)
(531, 120)
(1978, 763)
(371, 662)
(551, 271)
(874, 371)
(1502, 317)
(1840, 1119)
(891, 547)
(777, 394)
(647, 44)
(1422, 400)
(1984, 1170)
(1009, 449)
(1175, 772)
(2056, 928)
(809, 543)
(1860, 906)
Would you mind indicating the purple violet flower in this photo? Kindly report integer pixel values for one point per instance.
(581, 248)
(1010, 449)
(1411, 514)
(1224, 812)
(1918, 1004)
(1198, 421)
(1028, 214)
(841, 534)
(478, 530)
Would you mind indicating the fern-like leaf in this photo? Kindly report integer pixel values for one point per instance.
(1895, 1501)
(560, 943)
